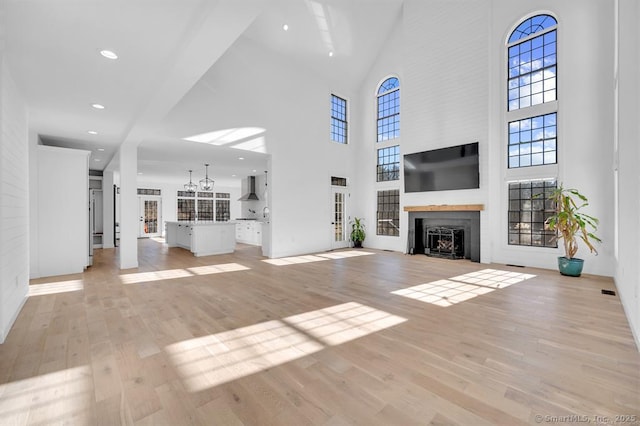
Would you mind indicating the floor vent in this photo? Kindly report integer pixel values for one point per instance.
(608, 292)
(516, 266)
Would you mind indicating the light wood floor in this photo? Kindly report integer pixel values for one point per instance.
(332, 339)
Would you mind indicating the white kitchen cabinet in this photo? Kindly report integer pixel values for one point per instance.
(202, 239)
(249, 232)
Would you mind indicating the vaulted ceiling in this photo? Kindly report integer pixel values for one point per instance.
(164, 48)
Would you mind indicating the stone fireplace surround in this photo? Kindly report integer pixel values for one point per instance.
(465, 216)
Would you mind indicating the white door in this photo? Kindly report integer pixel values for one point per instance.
(339, 218)
(150, 217)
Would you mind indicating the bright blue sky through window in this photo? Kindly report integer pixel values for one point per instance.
(389, 109)
(531, 26)
(338, 119)
(532, 141)
(532, 71)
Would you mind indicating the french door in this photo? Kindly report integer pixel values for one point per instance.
(150, 217)
(339, 218)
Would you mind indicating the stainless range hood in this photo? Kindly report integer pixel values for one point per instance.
(251, 195)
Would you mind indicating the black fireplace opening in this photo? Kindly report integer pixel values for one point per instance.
(451, 235)
(444, 242)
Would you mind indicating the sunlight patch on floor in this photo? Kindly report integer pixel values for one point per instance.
(53, 398)
(158, 239)
(293, 260)
(457, 289)
(209, 361)
(493, 278)
(345, 254)
(54, 288)
(341, 323)
(216, 269)
(170, 274)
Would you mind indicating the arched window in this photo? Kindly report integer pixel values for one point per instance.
(531, 129)
(388, 158)
(532, 69)
(389, 109)
(532, 62)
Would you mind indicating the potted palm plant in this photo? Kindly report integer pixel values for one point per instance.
(569, 223)
(357, 232)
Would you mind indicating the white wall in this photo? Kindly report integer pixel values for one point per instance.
(63, 211)
(452, 71)
(627, 269)
(14, 201)
(293, 105)
(585, 122)
(390, 63)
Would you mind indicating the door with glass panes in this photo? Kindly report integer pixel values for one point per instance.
(339, 218)
(150, 220)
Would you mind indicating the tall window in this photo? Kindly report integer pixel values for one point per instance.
(531, 128)
(532, 62)
(532, 141)
(389, 109)
(338, 119)
(528, 209)
(223, 206)
(205, 205)
(186, 205)
(388, 163)
(388, 214)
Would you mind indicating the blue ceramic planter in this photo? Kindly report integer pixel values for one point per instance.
(570, 267)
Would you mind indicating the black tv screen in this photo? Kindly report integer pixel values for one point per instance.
(454, 167)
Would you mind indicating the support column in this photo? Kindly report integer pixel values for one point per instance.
(128, 206)
(107, 210)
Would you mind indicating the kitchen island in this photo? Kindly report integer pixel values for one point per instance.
(202, 238)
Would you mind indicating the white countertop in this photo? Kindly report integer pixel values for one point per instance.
(199, 223)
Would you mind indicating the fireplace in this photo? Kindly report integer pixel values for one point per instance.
(444, 242)
(464, 223)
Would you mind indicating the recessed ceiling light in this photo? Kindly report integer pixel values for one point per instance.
(92, 132)
(240, 158)
(109, 54)
(139, 173)
(100, 149)
(254, 170)
(96, 159)
(233, 175)
(330, 53)
(285, 27)
(97, 106)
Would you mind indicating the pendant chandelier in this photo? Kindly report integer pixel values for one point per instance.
(206, 184)
(191, 187)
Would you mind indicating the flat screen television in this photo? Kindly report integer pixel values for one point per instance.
(444, 169)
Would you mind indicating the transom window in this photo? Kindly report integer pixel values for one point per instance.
(338, 119)
(532, 141)
(388, 163)
(389, 109)
(532, 25)
(532, 63)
